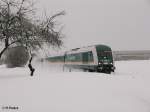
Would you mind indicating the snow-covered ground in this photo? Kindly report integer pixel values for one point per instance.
(52, 90)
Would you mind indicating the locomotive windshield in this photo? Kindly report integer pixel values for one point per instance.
(104, 53)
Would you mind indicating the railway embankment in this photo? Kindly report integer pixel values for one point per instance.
(131, 55)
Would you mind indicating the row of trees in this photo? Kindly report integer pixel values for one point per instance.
(18, 26)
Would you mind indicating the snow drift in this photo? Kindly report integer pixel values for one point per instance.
(52, 90)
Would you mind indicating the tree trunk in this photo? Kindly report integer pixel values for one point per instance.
(6, 46)
(30, 67)
(1, 53)
(6, 42)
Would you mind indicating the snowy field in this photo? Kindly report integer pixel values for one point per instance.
(52, 90)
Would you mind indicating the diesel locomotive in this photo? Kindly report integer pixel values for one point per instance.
(96, 58)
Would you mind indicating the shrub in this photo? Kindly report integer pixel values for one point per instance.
(16, 56)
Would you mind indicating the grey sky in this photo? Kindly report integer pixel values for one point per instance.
(122, 24)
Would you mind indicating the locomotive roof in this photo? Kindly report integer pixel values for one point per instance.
(82, 49)
(87, 48)
(103, 47)
(100, 45)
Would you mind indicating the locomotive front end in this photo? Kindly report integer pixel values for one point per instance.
(105, 59)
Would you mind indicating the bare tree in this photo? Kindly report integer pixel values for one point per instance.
(19, 27)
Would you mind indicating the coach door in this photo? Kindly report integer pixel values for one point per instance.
(85, 57)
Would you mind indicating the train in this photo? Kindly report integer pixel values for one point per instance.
(95, 58)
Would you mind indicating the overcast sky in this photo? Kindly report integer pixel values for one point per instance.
(121, 24)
